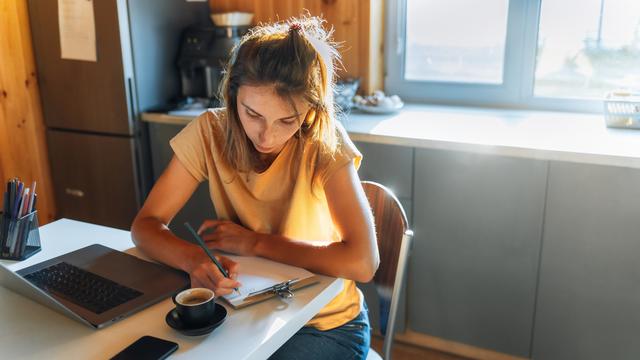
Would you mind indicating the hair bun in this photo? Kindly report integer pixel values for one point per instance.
(295, 27)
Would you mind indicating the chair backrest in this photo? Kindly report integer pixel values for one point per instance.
(394, 240)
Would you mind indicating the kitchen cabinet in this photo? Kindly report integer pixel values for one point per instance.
(474, 261)
(589, 290)
(391, 166)
(80, 183)
(199, 207)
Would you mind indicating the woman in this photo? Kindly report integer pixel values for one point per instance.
(283, 181)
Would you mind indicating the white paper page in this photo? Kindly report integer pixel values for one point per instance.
(77, 30)
(257, 273)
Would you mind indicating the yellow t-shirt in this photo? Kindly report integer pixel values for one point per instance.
(276, 201)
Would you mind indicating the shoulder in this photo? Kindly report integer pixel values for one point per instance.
(346, 150)
(208, 126)
(212, 119)
(197, 142)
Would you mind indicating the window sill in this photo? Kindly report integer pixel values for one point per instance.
(571, 137)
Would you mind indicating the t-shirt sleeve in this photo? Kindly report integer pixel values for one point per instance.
(190, 146)
(346, 153)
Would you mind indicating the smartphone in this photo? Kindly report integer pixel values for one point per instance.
(147, 348)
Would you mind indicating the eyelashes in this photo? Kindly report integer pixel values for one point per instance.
(256, 116)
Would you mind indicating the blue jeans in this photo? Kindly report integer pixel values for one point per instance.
(349, 341)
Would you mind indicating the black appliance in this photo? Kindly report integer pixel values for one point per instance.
(204, 53)
(98, 147)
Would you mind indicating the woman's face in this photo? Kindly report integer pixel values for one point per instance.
(269, 120)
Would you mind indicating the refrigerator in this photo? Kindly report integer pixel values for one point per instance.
(98, 147)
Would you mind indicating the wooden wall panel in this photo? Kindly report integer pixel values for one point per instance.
(22, 133)
(358, 26)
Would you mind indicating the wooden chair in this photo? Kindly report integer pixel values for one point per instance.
(394, 240)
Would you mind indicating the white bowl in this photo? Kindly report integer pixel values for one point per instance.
(235, 18)
(380, 109)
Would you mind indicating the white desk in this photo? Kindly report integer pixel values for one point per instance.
(30, 330)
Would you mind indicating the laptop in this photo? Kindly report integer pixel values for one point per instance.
(95, 285)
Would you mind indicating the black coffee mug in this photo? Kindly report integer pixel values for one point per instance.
(195, 306)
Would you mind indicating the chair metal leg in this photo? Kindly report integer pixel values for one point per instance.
(395, 297)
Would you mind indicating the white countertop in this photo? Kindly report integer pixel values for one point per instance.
(571, 137)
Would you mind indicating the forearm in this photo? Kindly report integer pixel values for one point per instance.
(339, 259)
(157, 241)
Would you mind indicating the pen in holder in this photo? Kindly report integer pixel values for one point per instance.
(19, 238)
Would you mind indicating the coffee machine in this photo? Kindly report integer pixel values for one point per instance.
(204, 52)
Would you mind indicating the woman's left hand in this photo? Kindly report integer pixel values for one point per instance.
(228, 236)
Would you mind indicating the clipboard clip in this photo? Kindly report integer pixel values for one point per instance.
(283, 290)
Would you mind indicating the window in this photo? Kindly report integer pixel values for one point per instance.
(452, 42)
(539, 54)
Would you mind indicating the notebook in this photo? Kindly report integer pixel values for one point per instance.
(262, 279)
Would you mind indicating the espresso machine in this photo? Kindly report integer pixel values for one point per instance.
(204, 52)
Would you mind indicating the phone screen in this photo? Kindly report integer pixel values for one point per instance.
(147, 348)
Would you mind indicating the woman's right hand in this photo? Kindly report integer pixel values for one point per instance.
(204, 273)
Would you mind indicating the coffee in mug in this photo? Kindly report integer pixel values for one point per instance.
(195, 306)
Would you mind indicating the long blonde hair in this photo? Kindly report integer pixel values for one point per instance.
(298, 57)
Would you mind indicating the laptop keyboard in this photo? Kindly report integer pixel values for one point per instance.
(81, 287)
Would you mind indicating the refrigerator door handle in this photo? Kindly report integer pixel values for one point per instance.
(74, 192)
(137, 150)
(133, 115)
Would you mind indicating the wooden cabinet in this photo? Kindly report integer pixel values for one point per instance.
(358, 26)
(589, 290)
(85, 168)
(474, 262)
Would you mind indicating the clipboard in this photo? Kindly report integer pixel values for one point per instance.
(263, 279)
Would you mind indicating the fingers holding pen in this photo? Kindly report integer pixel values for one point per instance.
(206, 274)
(200, 278)
(223, 284)
(231, 266)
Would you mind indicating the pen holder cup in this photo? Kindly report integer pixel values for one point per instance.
(19, 238)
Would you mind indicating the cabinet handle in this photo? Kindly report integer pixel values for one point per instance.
(74, 192)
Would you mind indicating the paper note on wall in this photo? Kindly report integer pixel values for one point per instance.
(77, 30)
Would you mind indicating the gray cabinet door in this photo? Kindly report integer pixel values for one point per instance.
(473, 267)
(199, 207)
(391, 166)
(589, 291)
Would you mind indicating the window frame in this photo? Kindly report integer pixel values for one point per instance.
(516, 91)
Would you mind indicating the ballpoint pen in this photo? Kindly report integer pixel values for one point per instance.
(208, 252)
